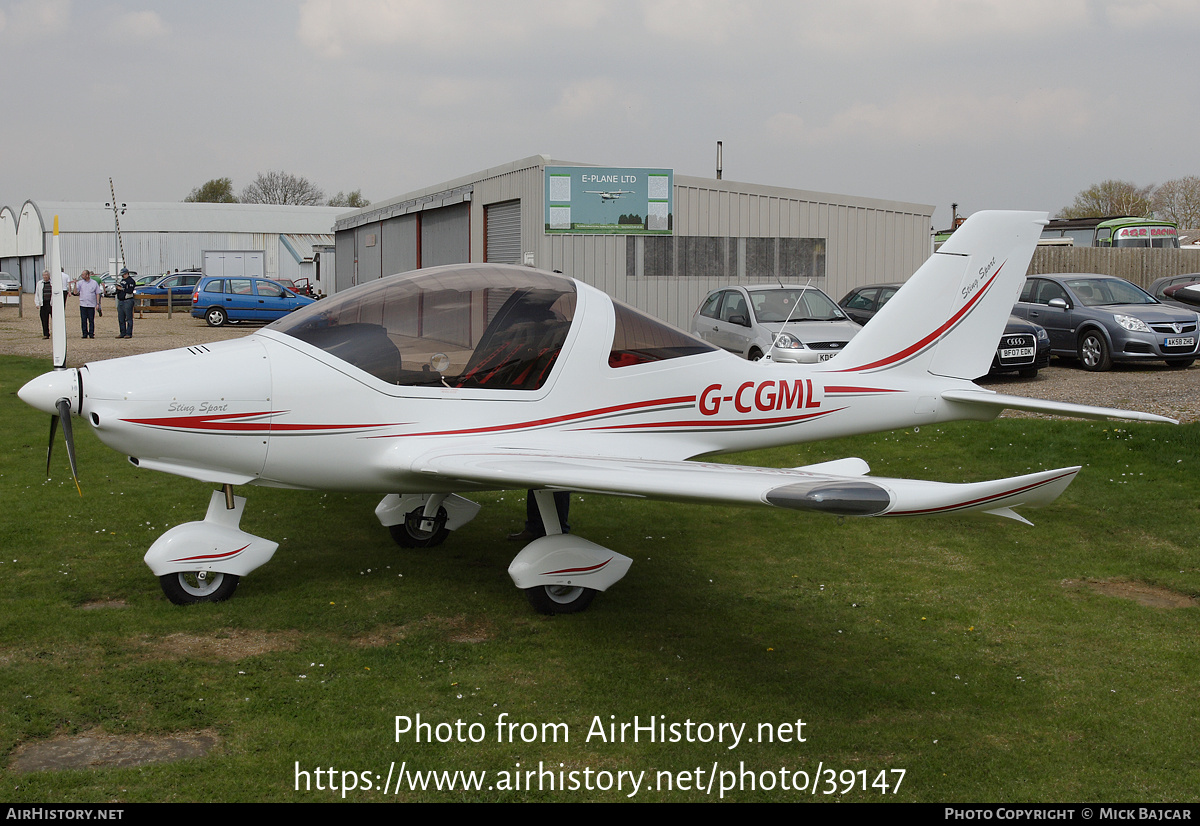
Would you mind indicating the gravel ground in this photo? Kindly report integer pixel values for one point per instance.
(1150, 387)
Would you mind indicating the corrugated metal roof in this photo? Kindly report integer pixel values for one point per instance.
(300, 245)
(189, 217)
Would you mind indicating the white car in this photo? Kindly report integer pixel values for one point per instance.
(802, 323)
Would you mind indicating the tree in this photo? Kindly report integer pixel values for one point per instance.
(216, 191)
(1111, 198)
(354, 200)
(278, 187)
(1179, 201)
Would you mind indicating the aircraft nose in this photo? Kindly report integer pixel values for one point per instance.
(44, 392)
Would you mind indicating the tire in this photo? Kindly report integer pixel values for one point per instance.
(191, 587)
(216, 317)
(1179, 364)
(755, 354)
(1093, 352)
(408, 534)
(560, 599)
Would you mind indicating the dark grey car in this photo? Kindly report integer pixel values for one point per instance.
(1164, 289)
(1100, 319)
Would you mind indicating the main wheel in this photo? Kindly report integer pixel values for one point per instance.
(410, 534)
(1179, 364)
(560, 599)
(216, 317)
(755, 354)
(1093, 352)
(190, 587)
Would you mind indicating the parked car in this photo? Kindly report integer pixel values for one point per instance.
(109, 283)
(179, 286)
(9, 284)
(1166, 289)
(803, 323)
(862, 303)
(301, 286)
(1024, 347)
(219, 300)
(1100, 319)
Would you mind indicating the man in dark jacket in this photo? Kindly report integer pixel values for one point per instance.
(125, 289)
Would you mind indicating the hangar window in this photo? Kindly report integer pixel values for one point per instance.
(705, 256)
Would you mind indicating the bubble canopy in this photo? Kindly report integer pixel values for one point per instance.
(499, 327)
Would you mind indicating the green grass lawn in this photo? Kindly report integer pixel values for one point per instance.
(987, 660)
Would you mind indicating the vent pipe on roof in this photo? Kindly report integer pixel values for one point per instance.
(720, 162)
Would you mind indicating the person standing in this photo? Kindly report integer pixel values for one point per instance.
(535, 528)
(126, 287)
(90, 293)
(43, 297)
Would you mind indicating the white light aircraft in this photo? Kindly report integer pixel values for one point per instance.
(461, 378)
(609, 194)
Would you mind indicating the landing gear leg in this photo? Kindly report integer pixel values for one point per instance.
(561, 573)
(203, 561)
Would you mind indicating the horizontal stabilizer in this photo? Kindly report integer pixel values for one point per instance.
(986, 398)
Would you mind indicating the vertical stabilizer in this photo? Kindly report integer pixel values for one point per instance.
(948, 318)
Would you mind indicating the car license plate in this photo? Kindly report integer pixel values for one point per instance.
(825, 356)
(1016, 352)
(1180, 341)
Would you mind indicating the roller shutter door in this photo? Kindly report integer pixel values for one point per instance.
(503, 223)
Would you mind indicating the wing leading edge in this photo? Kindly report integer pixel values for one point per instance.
(841, 488)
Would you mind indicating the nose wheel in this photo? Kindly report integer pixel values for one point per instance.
(190, 587)
(560, 599)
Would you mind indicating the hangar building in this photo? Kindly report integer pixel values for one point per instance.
(161, 237)
(648, 237)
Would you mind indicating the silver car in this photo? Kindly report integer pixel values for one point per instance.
(802, 323)
(1100, 319)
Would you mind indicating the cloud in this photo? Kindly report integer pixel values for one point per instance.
(1141, 14)
(33, 18)
(873, 26)
(596, 100)
(708, 22)
(945, 118)
(334, 28)
(140, 25)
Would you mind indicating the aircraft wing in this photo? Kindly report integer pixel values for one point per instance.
(841, 488)
(987, 398)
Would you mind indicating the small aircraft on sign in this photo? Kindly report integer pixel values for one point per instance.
(609, 195)
(461, 378)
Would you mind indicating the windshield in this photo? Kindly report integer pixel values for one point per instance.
(1095, 292)
(771, 306)
(499, 327)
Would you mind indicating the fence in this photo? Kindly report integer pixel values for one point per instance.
(1141, 266)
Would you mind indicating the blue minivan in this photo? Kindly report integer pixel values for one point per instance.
(222, 299)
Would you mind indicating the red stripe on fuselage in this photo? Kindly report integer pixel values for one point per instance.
(710, 423)
(222, 423)
(599, 411)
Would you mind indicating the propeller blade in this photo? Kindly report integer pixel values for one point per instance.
(50, 447)
(58, 307)
(64, 413)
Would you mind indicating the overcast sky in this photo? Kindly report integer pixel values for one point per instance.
(1006, 104)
